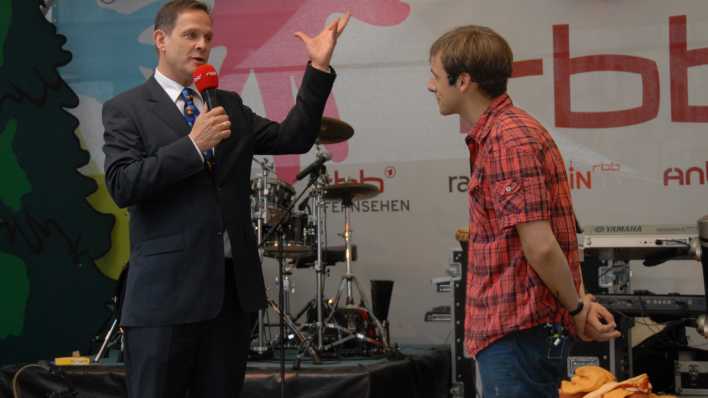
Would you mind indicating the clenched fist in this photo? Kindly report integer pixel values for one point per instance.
(211, 128)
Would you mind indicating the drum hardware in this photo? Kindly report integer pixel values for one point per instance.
(286, 284)
(281, 254)
(347, 192)
(342, 324)
(273, 205)
(317, 180)
(332, 131)
(262, 216)
(286, 216)
(308, 314)
(298, 235)
(331, 255)
(306, 342)
(272, 197)
(352, 324)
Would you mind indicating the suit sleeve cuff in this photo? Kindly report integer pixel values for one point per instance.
(201, 155)
(317, 81)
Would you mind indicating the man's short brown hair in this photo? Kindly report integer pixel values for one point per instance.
(479, 51)
(167, 15)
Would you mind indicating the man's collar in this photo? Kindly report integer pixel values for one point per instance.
(479, 132)
(171, 87)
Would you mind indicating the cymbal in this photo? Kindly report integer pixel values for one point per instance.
(333, 131)
(348, 191)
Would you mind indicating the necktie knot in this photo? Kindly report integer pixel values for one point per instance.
(187, 93)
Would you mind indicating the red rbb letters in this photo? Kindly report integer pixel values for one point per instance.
(680, 60)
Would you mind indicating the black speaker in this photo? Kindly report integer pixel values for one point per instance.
(381, 291)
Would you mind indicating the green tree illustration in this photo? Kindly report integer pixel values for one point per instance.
(52, 297)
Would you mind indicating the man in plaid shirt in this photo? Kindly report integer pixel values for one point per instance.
(524, 287)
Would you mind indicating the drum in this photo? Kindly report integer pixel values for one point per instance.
(299, 238)
(271, 197)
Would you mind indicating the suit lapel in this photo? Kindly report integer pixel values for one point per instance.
(164, 108)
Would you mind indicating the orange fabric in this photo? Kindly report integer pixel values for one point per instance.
(578, 395)
(595, 382)
(586, 379)
(618, 393)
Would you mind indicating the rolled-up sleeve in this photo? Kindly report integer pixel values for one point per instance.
(519, 187)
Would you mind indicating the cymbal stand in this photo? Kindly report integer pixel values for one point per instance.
(321, 234)
(285, 319)
(261, 216)
(318, 179)
(348, 282)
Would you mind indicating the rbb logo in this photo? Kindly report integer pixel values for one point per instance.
(564, 66)
(362, 180)
(680, 59)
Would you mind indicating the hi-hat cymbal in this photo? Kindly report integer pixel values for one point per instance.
(333, 131)
(349, 191)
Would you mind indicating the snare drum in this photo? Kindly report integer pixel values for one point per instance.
(299, 238)
(277, 196)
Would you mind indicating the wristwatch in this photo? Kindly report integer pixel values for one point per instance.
(577, 309)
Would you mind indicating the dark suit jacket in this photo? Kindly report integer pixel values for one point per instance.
(178, 210)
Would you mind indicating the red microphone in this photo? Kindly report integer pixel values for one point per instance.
(207, 81)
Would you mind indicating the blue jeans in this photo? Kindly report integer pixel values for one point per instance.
(529, 363)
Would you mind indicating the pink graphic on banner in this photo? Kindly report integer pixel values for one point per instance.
(258, 36)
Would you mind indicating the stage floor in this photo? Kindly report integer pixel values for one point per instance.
(423, 372)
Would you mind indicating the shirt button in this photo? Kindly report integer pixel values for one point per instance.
(508, 188)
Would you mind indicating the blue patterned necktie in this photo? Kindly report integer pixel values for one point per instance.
(190, 116)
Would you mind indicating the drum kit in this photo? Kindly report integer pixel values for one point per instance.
(337, 326)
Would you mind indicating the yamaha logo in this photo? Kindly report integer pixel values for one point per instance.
(617, 229)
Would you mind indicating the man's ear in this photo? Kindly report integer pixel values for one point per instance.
(464, 81)
(158, 37)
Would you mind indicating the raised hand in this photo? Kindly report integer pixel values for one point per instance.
(321, 47)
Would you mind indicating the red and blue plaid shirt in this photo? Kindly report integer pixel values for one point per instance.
(517, 176)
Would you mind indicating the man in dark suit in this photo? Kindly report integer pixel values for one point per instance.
(184, 173)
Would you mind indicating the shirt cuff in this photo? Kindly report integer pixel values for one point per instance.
(201, 156)
(329, 70)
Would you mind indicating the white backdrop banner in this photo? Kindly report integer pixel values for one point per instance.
(621, 85)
